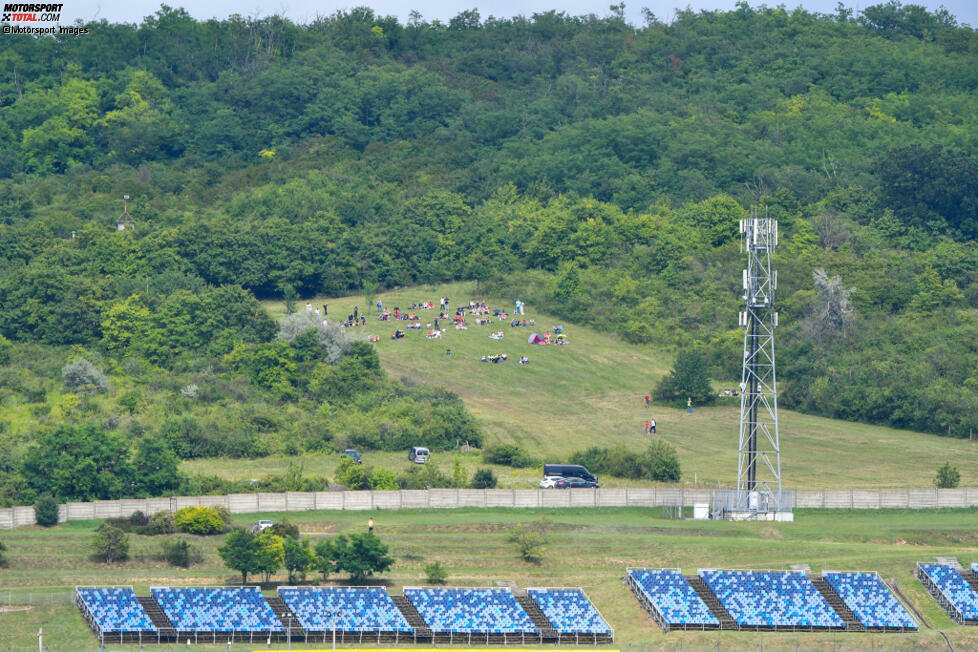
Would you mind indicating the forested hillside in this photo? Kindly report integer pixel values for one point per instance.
(594, 168)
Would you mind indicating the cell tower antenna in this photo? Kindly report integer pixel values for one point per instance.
(759, 493)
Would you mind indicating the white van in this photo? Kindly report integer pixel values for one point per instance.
(419, 454)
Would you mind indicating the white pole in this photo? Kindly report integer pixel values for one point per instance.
(40, 640)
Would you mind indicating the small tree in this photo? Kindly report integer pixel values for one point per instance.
(161, 523)
(271, 554)
(199, 520)
(110, 543)
(351, 474)
(484, 479)
(530, 539)
(362, 554)
(690, 377)
(460, 477)
(325, 558)
(180, 553)
(46, 510)
(299, 558)
(81, 375)
(948, 477)
(240, 553)
(436, 573)
(285, 529)
(383, 480)
(3, 560)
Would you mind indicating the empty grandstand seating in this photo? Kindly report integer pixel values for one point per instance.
(360, 609)
(486, 611)
(113, 609)
(951, 591)
(771, 599)
(217, 609)
(870, 600)
(569, 611)
(670, 599)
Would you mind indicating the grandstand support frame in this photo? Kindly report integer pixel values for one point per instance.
(759, 491)
(653, 610)
(938, 594)
(872, 629)
(104, 636)
(611, 630)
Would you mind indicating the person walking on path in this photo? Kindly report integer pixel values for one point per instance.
(380, 306)
(652, 426)
(648, 399)
(648, 427)
(370, 524)
(356, 313)
(689, 405)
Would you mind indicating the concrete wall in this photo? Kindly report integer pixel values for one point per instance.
(294, 501)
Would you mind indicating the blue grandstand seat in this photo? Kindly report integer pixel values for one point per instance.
(361, 609)
(484, 611)
(870, 600)
(115, 609)
(974, 567)
(771, 599)
(210, 609)
(670, 593)
(954, 588)
(569, 611)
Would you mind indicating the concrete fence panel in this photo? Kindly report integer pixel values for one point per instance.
(528, 497)
(154, 505)
(442, 498)
(243, 503)
(894, 498)
(129, 506)
(922, 498)
(807, 499)
(81, 511)
(331, 500)
(213, 501)
(268, 502)
(610, 497)
(500, 498)
(107, 509)
(180, 502)
(584, 497)
(661, 496)
(387, 499)
(357, 500)
(300, 501)
(863, 499)
(952, 498)
(471, 498)
(697, 496)
(837, 499)
(414, 499)
(6, 518)
(556, 497)
(24, 516)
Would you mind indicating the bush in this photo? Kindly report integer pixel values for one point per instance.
(423, 476)
(110, 543)
(530, 538)
(948, 477)
(225, 515)
(3, 560)
(352, 475)
(484, 479)
(659, 462)
(435, 573)
(285, 529)
(46, 510)
(507, 455)
(179, 552)
(199, 520)
(80, 375)
(689, 378)
(383, 480)
(161, 523)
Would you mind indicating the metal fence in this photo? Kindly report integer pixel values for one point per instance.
(294, 501)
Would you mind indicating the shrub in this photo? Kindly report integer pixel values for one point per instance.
(435, 573)
(46, 510)
(948, 477)
(285, 529)
(81, 375)
(689, 378)
(659, 462)
(424, 476)
(352, 475)
(161, 523)
(199, 520)
(383, 480)
(484, 479)
(4, 350)
(110, 543)
(3, 560)
(225, 515)
(530, 538)
(507, 455)
(179, 552)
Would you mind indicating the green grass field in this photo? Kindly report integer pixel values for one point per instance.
(589, 548)
(591, 391)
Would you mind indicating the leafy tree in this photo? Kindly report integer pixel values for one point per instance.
(3, 559)
(155, 467)
(689, 378)
(46, 510)
(5, 347)
(361, 555)
(484, 479)
(110, 543)
(507, 455)
(240, 552)
(326, 558)
(948, 477)
(299, 558)
(180, 553)
(435, 573)
(162, 523)
(82, 462)
(460, 477)
(352, 475)
(270, 553)
(383, 480)
(81, 375)
(530, 538)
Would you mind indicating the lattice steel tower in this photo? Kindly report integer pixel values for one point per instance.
(759, 458)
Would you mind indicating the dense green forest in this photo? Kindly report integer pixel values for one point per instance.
(595, 168)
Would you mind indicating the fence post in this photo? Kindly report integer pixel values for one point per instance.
(908, 497)
(626, 497)
(852, 499)
(400, 499)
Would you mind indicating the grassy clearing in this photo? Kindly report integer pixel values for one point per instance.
(590, 548)
(590, 393)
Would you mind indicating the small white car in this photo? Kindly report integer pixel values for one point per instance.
(549, 481)
(261, 526)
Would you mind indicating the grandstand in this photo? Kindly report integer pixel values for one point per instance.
(115, 613)
(670, 599)
(478, 614)
(870, 601)
(571, 614)
(773, 600)
(231, 613)
(355, 613)
(951, 590)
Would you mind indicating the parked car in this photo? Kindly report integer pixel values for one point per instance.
(568, 471)
(349, 452)
(575, 483)
(419, 454)
(549, 481)
(261, 526)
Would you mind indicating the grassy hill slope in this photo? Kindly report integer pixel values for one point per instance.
(589, 393)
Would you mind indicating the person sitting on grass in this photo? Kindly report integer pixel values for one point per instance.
(524, 359)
